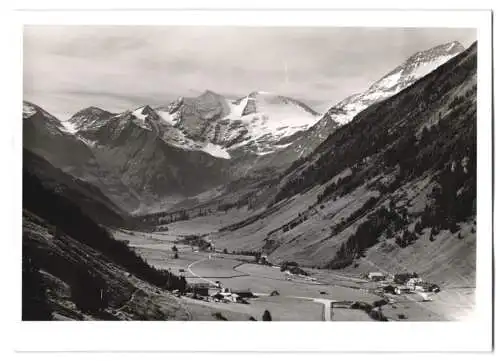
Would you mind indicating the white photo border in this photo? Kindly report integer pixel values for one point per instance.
(472, 335)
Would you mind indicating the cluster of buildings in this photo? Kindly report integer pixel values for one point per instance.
(217, 293)
(404, 282)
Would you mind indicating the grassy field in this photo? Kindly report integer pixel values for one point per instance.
(232, 271)
(281, 309)
(345, 314)
(217, 268)
(264, 279)
(207, 224)
(287, 309)
(205, 311)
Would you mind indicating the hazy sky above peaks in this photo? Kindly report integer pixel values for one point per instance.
(67, 68)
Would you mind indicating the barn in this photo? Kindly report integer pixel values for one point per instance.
(376, 276)
(200, 288)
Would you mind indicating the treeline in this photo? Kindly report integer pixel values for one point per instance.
(293, 267)
(366, 236)
(301, 217)
(354, 142)
(453, 200)
(166, 217)
(453, 137)
(256, 254)
(161, 218)
(331, 188)
(270, 244)
(448, 138)
(343, 224)
(243, 223)
(381, 125)
(247, 200)
(89, 290)
(196, 241)
(449, 146)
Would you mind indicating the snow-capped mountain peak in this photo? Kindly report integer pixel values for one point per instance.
(258, 121)
(28, 110)
(35, 113)
(414, 68)
(87, 118)
(262, 101)
(269, 118)
(411, 70)
(150, 118)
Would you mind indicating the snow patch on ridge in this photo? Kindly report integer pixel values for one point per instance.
(281, 146)
(235, 110)
(178, 139)
(88, 142)
(141, 119)
(264, 153)
(28, 110)
(69, 127)
(216, 151)
(138, 114)
(166, 117)
(389, 81)
(428, 67)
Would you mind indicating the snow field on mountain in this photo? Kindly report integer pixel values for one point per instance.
(426, 67)
(216, 151)
(166, 116)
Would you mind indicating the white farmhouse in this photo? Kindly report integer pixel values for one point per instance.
(376, 276)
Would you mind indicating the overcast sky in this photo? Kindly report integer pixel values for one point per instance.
(68, 68)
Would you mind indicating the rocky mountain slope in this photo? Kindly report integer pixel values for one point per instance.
(259, 122)
(74, 270)
(154, 169)
(393, 189)
(414, 68)
(154, 157)
(47, 137)
(269, 121)
(167, 153)
(91, 117)
(90, 198)
(252, 172)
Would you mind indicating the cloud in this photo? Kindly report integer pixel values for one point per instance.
(117, 67)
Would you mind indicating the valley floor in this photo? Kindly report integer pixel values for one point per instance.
(300, 298)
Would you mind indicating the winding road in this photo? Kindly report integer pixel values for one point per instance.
(327, 303)
(198, 276)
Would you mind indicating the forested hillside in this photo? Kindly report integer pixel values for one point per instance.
(403, 171)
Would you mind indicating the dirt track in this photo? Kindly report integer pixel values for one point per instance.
(296, 293)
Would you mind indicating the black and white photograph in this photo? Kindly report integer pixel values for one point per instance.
(213, 172)
(345, 190)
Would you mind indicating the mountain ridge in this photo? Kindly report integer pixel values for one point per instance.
(390, 194)
(411, 70)
(259, 131)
